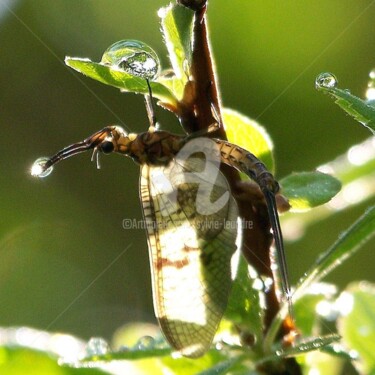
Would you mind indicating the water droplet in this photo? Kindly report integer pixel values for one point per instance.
(96, 346)
(325, 81)
(133, 57)
(145, 342)
(39, 168)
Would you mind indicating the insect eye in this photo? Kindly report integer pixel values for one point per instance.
(107, 147)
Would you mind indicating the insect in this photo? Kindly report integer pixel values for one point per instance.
(191, 221)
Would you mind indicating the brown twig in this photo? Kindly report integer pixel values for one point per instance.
(200, 95)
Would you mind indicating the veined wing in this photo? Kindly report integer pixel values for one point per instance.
(190, 254)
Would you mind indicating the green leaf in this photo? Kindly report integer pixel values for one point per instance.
(357, 325)
(177, 28)
(347, 244)
(187, 366)
(175, 85)
(356, 171)
(354, 106)
(120, 79)
(244, 305)
(16, 360)
(248, 134)
(309, 189)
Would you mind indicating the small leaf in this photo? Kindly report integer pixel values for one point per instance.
(177, 28)
(347, 244)
(120, 79)
(354, 106)
(357, 325)
(356, 170)
(248, 134)
(309, 189)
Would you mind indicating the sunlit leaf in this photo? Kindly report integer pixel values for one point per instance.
(119, 79)
(248, 134)
(174, 84)
(357, 325)
(309, 189)
(177, 28)
(356, 170)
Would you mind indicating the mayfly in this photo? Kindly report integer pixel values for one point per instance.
(191, 221)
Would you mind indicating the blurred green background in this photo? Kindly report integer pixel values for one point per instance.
(66, 262)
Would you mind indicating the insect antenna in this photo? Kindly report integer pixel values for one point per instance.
(43, 166)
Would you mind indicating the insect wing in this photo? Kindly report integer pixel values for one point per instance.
(190, 254)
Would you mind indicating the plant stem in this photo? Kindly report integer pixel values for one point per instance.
(196, 113)
(201, 95)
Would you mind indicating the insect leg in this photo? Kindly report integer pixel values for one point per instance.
(150, 108)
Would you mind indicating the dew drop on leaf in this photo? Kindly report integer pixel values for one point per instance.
(326, 81)
(145, 342)
(133, 57)
(96, 346)
(39, 168)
